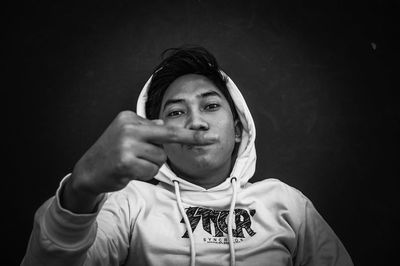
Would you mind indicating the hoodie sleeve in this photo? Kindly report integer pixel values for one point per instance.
(60, 237)
(318, 245)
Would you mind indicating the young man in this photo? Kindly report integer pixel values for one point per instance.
(194, 134)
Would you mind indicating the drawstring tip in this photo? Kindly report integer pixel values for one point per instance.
(231, 221)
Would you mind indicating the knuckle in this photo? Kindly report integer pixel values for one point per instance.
(125, 161)
(126, 117)
(126, 146)
(128, 128)
(126, 114)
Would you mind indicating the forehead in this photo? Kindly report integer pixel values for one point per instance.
(189, 86)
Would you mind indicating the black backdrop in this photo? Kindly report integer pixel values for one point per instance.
(320, 80)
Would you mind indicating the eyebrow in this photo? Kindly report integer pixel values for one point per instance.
(202, 95)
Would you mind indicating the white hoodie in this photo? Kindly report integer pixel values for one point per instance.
(179, 223)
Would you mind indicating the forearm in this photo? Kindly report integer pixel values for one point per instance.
(59, 236)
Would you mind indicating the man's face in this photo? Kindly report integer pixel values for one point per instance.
(194, 102)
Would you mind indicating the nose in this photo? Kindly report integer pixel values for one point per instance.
(197, 122)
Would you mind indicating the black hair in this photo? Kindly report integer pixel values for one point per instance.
(181, 61)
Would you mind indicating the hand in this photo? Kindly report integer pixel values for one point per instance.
(130, 148)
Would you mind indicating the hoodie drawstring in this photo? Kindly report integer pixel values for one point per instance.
(230, 223)
(187, 223)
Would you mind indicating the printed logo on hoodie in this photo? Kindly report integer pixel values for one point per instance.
(219, 221)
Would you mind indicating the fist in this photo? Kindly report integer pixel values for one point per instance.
(130, 148)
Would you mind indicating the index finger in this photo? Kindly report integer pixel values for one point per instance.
(159, 134)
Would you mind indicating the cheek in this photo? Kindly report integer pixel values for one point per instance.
(177, 122)
(227, 136)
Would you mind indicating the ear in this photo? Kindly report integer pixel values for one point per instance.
(238, 131)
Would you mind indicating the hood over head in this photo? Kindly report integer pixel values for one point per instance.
(244, 166)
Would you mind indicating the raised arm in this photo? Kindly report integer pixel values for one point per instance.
(129, 149)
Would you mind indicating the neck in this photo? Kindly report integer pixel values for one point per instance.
(207, 179)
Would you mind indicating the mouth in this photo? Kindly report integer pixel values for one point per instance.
(196, 147)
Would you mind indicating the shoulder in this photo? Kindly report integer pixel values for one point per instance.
(274, 185)
(278, 192)
(281, 198)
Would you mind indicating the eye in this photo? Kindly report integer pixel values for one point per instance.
(212, 106)
(175, 113)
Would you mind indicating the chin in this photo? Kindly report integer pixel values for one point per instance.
(195, 165)
(201, 162)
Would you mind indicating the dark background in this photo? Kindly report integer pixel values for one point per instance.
(320, 80)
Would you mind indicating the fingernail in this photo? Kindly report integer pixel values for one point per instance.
(158, 122)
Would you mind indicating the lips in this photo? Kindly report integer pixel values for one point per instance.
(196, 147)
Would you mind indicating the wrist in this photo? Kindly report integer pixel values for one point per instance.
(78, 200)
